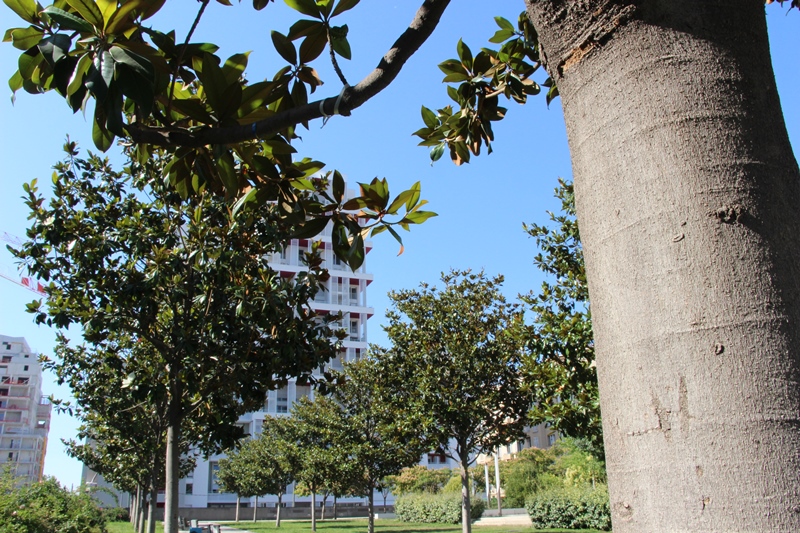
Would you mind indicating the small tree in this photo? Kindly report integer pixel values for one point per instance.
(378, 444)
(323, 454)
(456, 352)
(267, 463)
(420, 479)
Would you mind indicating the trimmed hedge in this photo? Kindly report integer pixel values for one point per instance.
(435, 508)
(572, 508)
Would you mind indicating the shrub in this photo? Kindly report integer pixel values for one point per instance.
(116, 514)
(439, 508)
(570, 507)
(46, 507)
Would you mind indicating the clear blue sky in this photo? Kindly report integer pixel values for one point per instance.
(481, 205)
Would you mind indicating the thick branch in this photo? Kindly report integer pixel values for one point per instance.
(425, 21)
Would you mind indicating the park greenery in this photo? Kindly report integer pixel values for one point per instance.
(46, 507)
(662, 323)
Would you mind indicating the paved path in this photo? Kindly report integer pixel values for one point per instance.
(507, 520)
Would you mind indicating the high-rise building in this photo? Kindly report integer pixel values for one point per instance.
(24, 412)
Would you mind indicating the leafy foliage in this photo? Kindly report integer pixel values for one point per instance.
(46, 507)
(420, 479)
(559, 365)
(438, 509)
(221, 133)
(482, 78)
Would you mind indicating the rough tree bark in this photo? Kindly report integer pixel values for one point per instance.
(686, 191)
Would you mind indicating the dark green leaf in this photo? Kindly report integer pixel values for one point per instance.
(68, 21)
(306, 7)
(313, 45)
(89, 11)
(344, 5)
(284, 47)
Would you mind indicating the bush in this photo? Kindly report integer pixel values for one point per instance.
(570, 507)
(437, 509)
(116, 514)
(46, 507)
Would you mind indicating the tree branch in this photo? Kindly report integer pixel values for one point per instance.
(421, 27)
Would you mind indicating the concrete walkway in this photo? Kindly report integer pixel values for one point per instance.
(505, 520)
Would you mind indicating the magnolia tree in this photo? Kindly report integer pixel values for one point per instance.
(455, 357)
(189, 281)
(684, 182)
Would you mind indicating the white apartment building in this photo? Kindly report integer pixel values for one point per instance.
(24, 412)
(346, 293)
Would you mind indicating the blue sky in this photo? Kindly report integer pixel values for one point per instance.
(481, 205)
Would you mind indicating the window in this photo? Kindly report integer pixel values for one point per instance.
(551, 439)
(302, 391)
(189, 488)
(301, 255)
(536, 441)
(283, 401)
(354, 295)
(25, 368)
(436, 459)
(22, 381)
(6, 359)
(213, 481)
(354, 330)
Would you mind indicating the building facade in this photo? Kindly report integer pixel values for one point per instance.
(24, 412)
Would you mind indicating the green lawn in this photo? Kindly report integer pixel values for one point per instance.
(360, 526)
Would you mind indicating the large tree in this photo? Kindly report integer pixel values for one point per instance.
(685, 182)
(123, 256)
(455, 357)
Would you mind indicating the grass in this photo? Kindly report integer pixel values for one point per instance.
(360, 525)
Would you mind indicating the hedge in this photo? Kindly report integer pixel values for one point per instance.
(435, 508)
(572, 508)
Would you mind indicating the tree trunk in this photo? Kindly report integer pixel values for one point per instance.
(238, 506)
(324, 501)
(140, 514)
(135, 508)
(255, 509)
(151, 508)
(498, 490)
(132, 508)
(686, 191)
(466, 514)
(335, 516)
(278, 510)
(173, 455)
(371, 511)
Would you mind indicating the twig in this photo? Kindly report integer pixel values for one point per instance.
(203, 5)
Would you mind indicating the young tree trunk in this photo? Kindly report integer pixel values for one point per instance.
(151, 508)
(141, 510)
(173, 454)
(238, 506)
(686, 192)
(135, 508)
(132, 507)
(324, 501)
(278, 510)
(466, 513)
(371, 511)
(313, 511)
(255, 509)
(335, 515)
